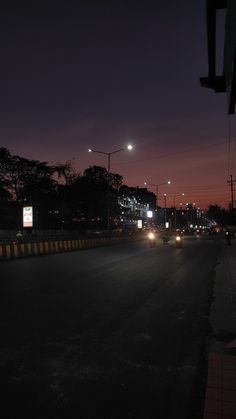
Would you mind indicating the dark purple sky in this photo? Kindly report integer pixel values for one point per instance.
(102, 74)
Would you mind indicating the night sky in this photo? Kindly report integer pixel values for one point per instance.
(103, 74)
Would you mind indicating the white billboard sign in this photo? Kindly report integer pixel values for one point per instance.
(28, 216)
(140, 223)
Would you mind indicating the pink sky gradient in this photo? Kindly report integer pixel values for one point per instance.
(85, 74)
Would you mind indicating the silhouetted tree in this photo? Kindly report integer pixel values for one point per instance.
(27, 182)
(66, 172)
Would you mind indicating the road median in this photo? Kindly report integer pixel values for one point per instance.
(10, 250)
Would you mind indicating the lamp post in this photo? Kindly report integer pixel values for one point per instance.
(182, 194)
(108, 154)
(157, 188)
(165, 206)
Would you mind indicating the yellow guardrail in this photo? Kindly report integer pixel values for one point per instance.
(14, 250)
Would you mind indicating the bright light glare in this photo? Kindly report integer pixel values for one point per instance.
(129, 147)
(169, 182)
(89, 150)
(151, 236)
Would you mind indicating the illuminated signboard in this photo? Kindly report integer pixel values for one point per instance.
(140, 224)
(28, 216)
(149, 214)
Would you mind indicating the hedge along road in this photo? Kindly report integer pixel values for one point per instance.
(112, 332)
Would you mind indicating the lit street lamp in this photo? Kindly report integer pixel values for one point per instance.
(108, 154)
(175, 196)
(157, 188)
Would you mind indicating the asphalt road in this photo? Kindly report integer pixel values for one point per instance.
(107, 333)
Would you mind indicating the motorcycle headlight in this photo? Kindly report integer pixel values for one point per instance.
(178, 238)
(151, 236)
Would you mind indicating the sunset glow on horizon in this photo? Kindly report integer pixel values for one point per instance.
(104, 77)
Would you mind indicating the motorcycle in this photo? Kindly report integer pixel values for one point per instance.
(178, 241)
(152, 239)
(165, 239)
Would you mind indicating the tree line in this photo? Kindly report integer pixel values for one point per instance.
(60, 196)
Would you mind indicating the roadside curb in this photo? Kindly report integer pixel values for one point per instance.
(220, 401)
(223, 309)
(220, 393)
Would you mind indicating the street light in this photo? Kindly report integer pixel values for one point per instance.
(108, 154)
(175, 196)
(157, 186)
(182, 194)
(165, 206)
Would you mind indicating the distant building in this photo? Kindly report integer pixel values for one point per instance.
(133, 206)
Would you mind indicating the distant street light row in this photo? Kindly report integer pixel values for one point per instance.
(129, 147)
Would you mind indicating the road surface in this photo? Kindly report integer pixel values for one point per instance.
(107, 333)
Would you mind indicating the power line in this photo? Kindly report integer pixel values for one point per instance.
(203, 186)
(171, 153)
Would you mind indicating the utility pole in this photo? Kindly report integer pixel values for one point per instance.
(231, 183)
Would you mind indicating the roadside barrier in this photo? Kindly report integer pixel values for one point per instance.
(12, 250)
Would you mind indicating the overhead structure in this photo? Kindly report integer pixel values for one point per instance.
(225, 82)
